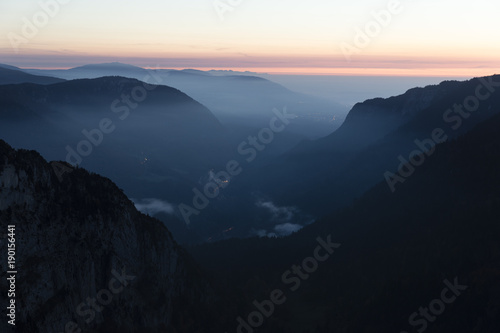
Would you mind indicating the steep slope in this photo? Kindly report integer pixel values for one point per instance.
(80, 238)
(237, 100)
(370, 165)
(14, 76)
(395, 252)
(371, 120)
(154, 141)
(331, 172)
(249, 100)
(59, 113)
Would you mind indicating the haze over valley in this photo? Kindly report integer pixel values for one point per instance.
(234, 166)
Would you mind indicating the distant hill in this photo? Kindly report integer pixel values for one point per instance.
(239, 99)
(346, 163)
(329, 173)
(93, 71)
(371, 120)
(10, 67)
(13, 75)
(157, 145)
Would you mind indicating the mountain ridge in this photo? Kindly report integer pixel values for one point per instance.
(351, 160)
(14, 75)
(396, 251)
(78, 232)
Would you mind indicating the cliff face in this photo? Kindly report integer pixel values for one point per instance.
(372, 119)
(86, 257)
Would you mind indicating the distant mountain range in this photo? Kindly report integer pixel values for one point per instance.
(393, 246)
(376, 132)
(93, 71)
(13, 75)
(165, 149)
(142, 157)
(155, 145)
(238, 98)
(394, 252)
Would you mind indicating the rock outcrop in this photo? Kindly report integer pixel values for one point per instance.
(87, 260)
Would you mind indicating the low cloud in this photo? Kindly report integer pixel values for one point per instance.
(282, 214)
(286, 229)
(286, 220)
(153, 206)
(280, 230)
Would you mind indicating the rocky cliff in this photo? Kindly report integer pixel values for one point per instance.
(86, 259)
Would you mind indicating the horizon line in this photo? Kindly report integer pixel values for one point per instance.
(310, 71)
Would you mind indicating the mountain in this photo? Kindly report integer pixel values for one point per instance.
(13, 75)
(10, 67)
(93, 71)
(72, 106)
(249, 100)
(155, 142)
(86, 257)
(371, 120)
(231, 72)
(393, 256)
(321, 175)
(329, 173)
(240, 100)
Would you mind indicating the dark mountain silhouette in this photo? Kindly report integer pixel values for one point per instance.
(237, 99)
(329, 173)
(13, 75)
(93, 71)
(373, 119)
(396, 250)
(393, 250)
(168, 157)
(10, 67)
(85, 102)
(80, 238)
(157, 146)
(249, 100)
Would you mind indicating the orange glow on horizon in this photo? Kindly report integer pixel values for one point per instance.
(403, 72)
(415, 72)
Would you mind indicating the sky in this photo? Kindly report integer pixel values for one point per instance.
(410, 38)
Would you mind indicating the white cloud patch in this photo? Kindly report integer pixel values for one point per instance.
(280, 230)
(153, 206)
(286, 220)
(282, 214)
(286, 229)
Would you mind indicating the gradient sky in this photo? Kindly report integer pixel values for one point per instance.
(428, 37)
